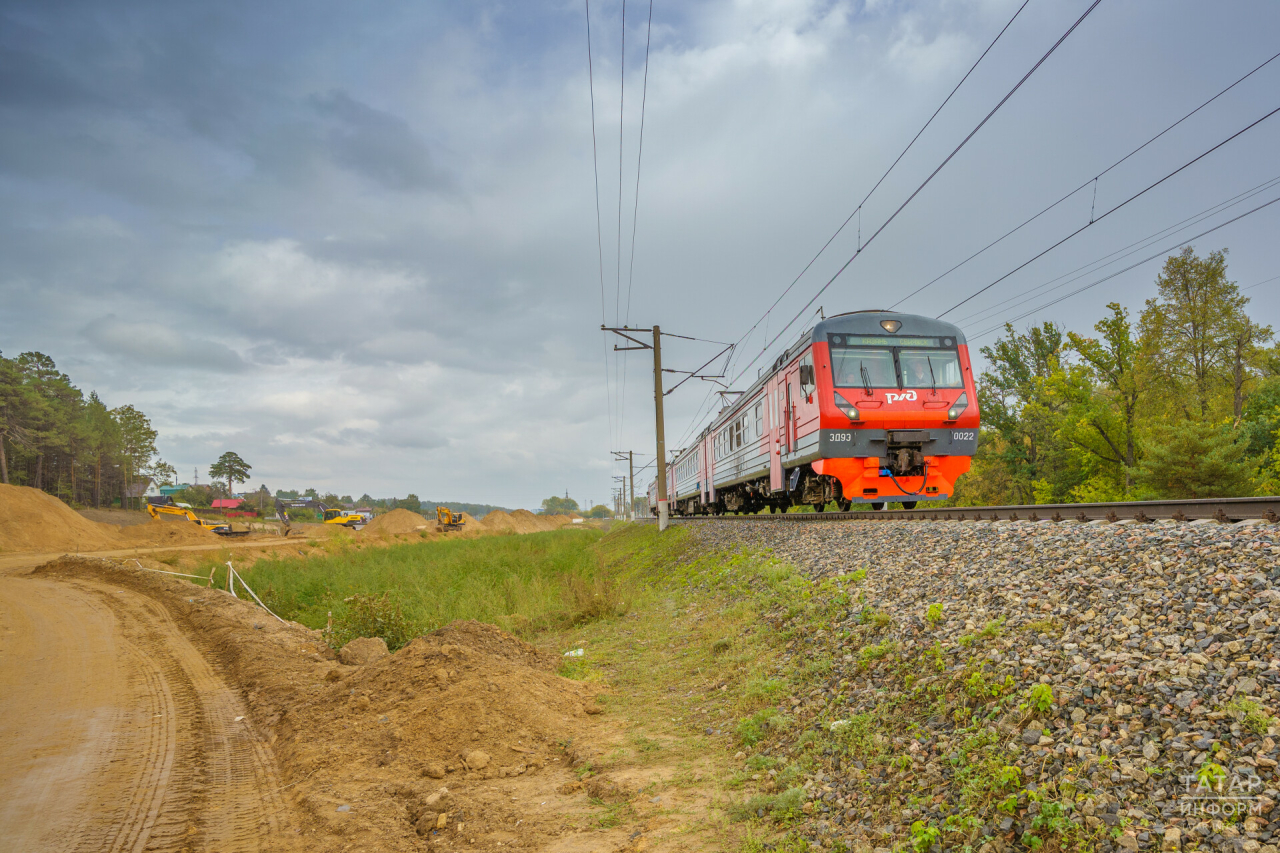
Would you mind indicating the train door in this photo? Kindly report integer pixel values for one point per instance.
(787, 419)
(775, 436)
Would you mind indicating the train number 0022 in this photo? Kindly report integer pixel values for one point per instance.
(962, 436)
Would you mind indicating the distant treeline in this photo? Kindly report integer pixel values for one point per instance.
(410, 502)
(55, 438)
(1185, 403)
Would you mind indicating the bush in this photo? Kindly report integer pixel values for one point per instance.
(371, 616)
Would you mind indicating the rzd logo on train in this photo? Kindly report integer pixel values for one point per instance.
(893, 398)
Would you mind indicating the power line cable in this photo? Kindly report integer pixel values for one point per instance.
(804, 310)
(619, 363)
(1123, 252)
(644, 99)
(1259, 284)
(595, 170)
(635, 213)
(858, 209)
(1093, 181)
(1126, 269)
(1093, 222)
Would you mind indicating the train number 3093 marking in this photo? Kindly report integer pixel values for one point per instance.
(841, 436)
(962, 436)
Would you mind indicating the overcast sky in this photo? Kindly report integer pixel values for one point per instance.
(357, 243)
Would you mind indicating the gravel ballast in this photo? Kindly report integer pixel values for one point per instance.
(1157, 644)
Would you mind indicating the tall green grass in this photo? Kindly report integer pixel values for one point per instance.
(523, 584)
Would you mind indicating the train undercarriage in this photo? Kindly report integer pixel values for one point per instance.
(810, 489)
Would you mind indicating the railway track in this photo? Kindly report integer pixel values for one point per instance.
(1223, 510)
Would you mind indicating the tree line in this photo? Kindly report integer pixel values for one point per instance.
(1182, 403)
(55, 438)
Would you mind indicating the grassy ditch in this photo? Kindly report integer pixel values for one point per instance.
(523, 584)
(696, 670)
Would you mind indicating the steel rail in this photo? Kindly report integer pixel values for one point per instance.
(1222, 510)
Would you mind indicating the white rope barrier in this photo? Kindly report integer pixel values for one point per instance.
(252, 593)
(163, 572)
(232, 577)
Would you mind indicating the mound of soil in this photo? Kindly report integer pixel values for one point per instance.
(158, 531)
(116, 517)
(527, 522)
(31, 520)
(451, 743)
(499, 522)
(398, 522)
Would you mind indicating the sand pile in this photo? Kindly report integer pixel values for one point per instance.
(31, 520)
(455, 710)
(398, 522)
(166, 531)
(527, 522)
(499, 522)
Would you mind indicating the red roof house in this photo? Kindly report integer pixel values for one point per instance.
(227, 503)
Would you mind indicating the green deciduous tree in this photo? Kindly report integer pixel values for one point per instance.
(556, 505)
(1188, 331)
(1116, 389)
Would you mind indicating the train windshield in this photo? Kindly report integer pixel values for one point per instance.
(930, 369)
(863, 368)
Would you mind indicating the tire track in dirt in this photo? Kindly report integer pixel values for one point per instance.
(157, 751)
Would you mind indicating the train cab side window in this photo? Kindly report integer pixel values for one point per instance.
(759, 419)
(807, 380)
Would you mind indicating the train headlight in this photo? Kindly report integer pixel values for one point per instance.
(962, 403)
(848, 408)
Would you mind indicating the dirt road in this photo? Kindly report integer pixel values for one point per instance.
(115, 733)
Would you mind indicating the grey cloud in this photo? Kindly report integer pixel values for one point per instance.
(161, 346)
(377, 145)
(32, 81)
(391, 215)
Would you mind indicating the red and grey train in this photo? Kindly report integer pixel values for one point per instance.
(867, 407)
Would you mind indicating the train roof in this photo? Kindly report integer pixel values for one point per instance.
(868, 323)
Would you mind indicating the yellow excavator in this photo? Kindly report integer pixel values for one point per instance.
(448, 519)
(345, 517)
(222, 528)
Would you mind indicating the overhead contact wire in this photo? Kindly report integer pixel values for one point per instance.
(924, 184)
(1110, 276)
(1131, 198)
(857, 210)
(1093, 180)
(1123, 252)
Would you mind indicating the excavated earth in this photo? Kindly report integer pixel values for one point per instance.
(141, 712)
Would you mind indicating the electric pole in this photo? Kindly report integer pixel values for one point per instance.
(662, 436)
(620, 495)
(630, 457)
(656, 346)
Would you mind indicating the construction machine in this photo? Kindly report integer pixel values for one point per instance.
(222, 528)
(282, 515)
(448, 519)
(345, 517)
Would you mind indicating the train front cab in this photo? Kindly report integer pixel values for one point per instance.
(898, 407)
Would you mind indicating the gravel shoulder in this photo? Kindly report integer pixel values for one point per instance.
(1020, 685)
